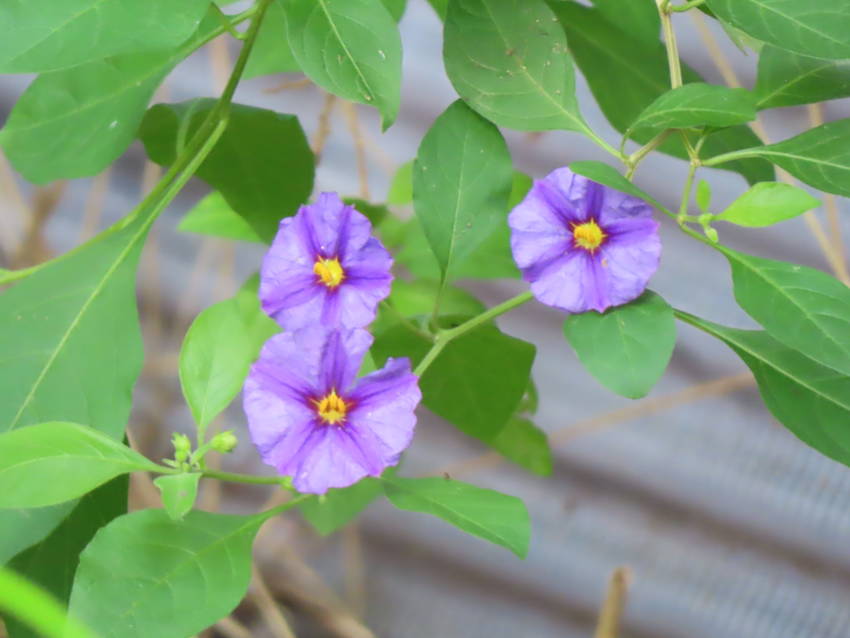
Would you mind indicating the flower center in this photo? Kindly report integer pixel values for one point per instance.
(588, 235)
(330, 272)
(332, 408)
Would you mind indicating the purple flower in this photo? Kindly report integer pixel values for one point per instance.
(325, 267)
(312, 421)
(583, 246)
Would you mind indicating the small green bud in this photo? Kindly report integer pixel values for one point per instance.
(711, 234)
(182, 446)
(224, 442)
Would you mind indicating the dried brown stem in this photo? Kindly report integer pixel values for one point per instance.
(323, 130)
(615, 601)
(353, 119)
(286, 85)
(268, 606)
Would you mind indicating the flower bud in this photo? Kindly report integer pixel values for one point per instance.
(224, 442)
(182, 446)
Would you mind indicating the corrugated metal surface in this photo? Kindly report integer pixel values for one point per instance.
(730, 525)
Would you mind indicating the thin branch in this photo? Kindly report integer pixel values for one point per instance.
(355, 590)
(654, 405)
(95, 201)
(350, 110)
(615, 601)
(286, 85)
(323, 130)
(268, 606)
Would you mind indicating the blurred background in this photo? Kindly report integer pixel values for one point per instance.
(726, 524)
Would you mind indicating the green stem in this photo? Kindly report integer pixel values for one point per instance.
(670, 43)
(443, 338)
(686, 192)
(732, 155)
(637, 157)
(244, 478)
(601, 143)
(684, 7)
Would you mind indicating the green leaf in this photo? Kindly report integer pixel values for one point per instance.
(767, 203)
(475, 383)
(214, 216)
(462, 178)
(526, 445)
(396, 8)
(703, 195)
(440, 7)
(262, 164)
(626, 73)
(144, 574)
(179, 492)
(401, 188)
(627, 348)
(54, 462)
(509, 61)
(43, 36)
(801, 307)
(29, 603)
(351, 48)
(491, 515)
(694, 105)
(23, 528)
(491, 259)
(811, 28)
(609, 176)
(788, 79)
(640, 15)
(375, 213)
(72, 352)
(819, 157)
(332, 511)
(809, 399)
(271, 52)
(219, 347)
(416, 299)
(53, 562)
(75, 122)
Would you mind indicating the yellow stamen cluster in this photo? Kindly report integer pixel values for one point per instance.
(330, 271)
(331, 408)
(588, 235)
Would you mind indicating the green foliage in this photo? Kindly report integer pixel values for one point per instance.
(608, 175)
(694, 105)
(787, 79)
(491, 515)
(179, 492)
(475, 383)
(416, 299)
(72, 353)
(25, 601)
(219, 347)
(332, 511)
(607, 54)
(214, 216)
(461, 183)
(801, 307)
(703, 195)
(53, 462)
(509, 61)
(248, 165)
(166, 568)
(627, 348)
(401, 187)
(45, 36)
(75, 122)
(525, 444)
(810, 28)
(53, 562)
(271, 53)
(811, 400)
(819, 157)
(22, 528)
(641, 16)
(351, 48)
(767, 203)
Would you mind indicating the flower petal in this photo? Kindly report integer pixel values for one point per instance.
(342, 355)
(331, 459)
(383, 416)
(575, 283)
